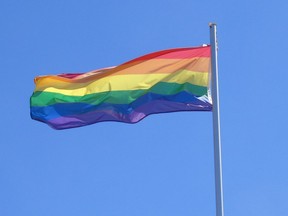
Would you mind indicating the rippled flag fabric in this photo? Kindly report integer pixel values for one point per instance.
(165, 81)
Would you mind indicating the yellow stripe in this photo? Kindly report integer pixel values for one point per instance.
(123, 82)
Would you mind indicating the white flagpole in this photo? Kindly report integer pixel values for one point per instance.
(216, 122)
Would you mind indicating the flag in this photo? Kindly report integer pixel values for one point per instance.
(160, 82)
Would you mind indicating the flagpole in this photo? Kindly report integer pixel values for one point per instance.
(216, 122)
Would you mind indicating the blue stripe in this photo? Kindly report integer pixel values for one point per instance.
(190, 102)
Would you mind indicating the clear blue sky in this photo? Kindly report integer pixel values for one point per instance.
(164, 164)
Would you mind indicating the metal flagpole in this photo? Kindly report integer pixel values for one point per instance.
(216, 122)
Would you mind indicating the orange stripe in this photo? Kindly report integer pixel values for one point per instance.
(153, 66)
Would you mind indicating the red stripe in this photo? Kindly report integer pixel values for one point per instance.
(70, 75)
(180, 53)
(177, 53)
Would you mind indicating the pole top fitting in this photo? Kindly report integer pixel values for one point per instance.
(212, 24)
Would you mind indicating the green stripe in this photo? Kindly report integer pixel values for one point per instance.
(116, 97)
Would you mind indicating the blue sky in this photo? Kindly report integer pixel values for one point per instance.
(164, 164)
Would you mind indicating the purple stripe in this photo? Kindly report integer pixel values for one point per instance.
(157, 106)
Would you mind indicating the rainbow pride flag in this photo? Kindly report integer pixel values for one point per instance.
(165, 81)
